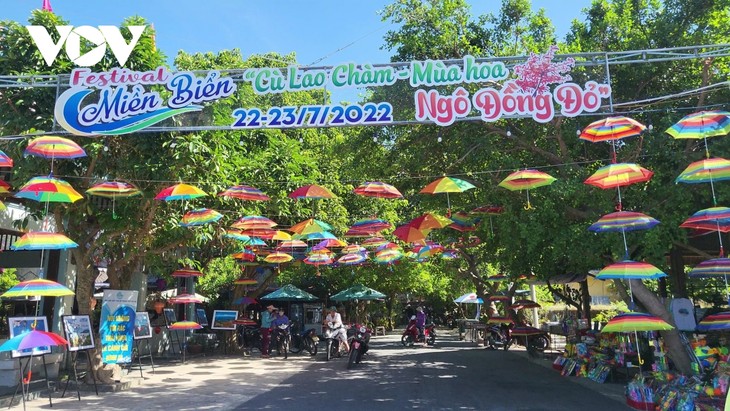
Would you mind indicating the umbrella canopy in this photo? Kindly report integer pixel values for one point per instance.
(716, 267)
(463, 222)
(264, 233)
(245, 255)
(499, 320)
(236, 235)
(499, 297)
(289, 244)
(619, 175)
(705, 171)
(612, 128)
(48, 189)
(623, 221)
(318, 259)
(113, 189)
(244, 192)
(429, 221)
(311, 191)
(388, 256)
(5, 160)
(713, 219)
(378, 189)
(469, 298)
(367, 227)
(180, 192)
(185, 325)
(186, 273)
(245, 281)
(522, 304)
(353, 249)
(4, 187)
(488, 210)
(702, 124)
(526, 180)
(43, 241)
(408, 234)
(310, 226)
(715, 322)
(357, 292)
(37, 287)
(244, 300)
(633, 321)
(630, 270)
(200, 216)
(289, 293)
(352, 259)
(329, 243)
(186, 299)
(374, 242)
(32, 339)
(254, 222)
(447, 185)
(278, 258)
(496, 278)
(54, 147)
(429, 250)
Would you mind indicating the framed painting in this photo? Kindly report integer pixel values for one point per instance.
(201, 317)
(78, 332)
(142, 327)
(224, 320)
(20, 325)
(170, 317)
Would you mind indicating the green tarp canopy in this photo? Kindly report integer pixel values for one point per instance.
(289, 293)
(357, 292)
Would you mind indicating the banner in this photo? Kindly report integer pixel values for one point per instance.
(117, 326)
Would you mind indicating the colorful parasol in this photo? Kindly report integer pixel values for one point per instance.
(716, 267)
(245, 281)
(260, 233)
(706, 171)
(352, 259)
(713, 219)
(244, 192)
(329, 243)
(113, 189)
(236, 235)
(463, 222)
(623, 221)
(254, 222)
(278, 258)
(43, 241)
(447, 185)
(408, 234)
(367, 227)
(388, 256)
(186, 273)
(353, 249)
(200, 216)
(715, 322)
(318, 259)
(378, 189)
(611, 129)
(54, 147)
(185, 325)
(374, 242)
(523, 304)
(48, 189)
(4, 187)
(37, 287)
(429, 221)
(245, 255)
(618, 175)
(5, 160)
(702, 124)
(312, 191)
(32, 339)
(180, 192)
(630, 270)
(291, 244)
(633, 321)
(526, 180)
(429, 251)
(185, 299)
(490, 210)
(310, 226)
(469, 298)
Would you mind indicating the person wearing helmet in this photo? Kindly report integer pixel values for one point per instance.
(339, 332)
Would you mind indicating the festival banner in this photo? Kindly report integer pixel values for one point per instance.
(117, 326)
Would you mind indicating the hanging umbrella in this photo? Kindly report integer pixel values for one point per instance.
(4, 187)
(489, 210)
(526, 180)
(310, 226)
(330, 243)
(630, 270)
(43, 241)
(388, 246)
(633, 322)
(37, 287)
(429, 250)
(715, 322)
(244, 192)
(711, 219)
(48, 189)
(278, 258)
(312, 191)
(705, 171)
(374, 242)
(463, 222)
(260, 233)
(245, 281)
(358, 292)
(496, 278)
(469, 298)
(289, 293)
(254, 222)
(281, 236)
(702, 124)
(200, 216)
(716, 267)
(245, 255)
(291, 244)
(447, 185)
(388, 256)
(185, 325)
(244, 301)
(619, 175)
(5, 160)
(318, 259)
(523, 304)
(611, 129)
(353, 249)
(186, 273)
(180, 192)
(114, 190)
(54, 147)
(367, 227)
(236, 235)
(499, 297)
(186, 299)
(408, 234)
(623, 221)
(378, 189)
(352, 259)
(429, 221)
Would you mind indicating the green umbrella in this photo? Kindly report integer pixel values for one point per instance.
(357, 292)
(289, 293)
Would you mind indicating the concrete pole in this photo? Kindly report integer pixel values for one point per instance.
(533, 297)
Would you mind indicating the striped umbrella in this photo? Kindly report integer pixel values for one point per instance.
(630, 270)
(54, 147)
(388, 256)
(245, 281)
(716, 267)
(278, 258)
(489, 210)
(48, 189)
(291, 244)
(352, 259)
(236, 235)
(378, 189)
(4, 187)
(706, 171)
(633, 322)
(180, 192)
(711, 219)
(429, 221)
(200, 216)
(447, 185)
(37, 287)
(329, 243)
(702, 124)
(253, 222)
(715, 322)
(185, 325)
(260, 233)
(623, 221)
(463, 222)
(409, 234)
(114, 190)
(186, 273)
(244, 192)
(312, 191)
(611, 129)
(526, 180)
(318, 259)
(245, 255)
(310, 226)
(185, 299)
(367, 227)
(353, 249)
(618, 175)
(5, 160)
(374, 242)
(43, 241)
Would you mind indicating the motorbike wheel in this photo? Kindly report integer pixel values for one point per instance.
(407, 341)
(359, 356)
(310, 346)
(351, 358)
(330, 343)
(296, 344)
(285, 347)
(509, 343)
(490, 343)
(431, 340)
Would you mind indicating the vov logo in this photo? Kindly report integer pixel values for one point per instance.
(71, 38)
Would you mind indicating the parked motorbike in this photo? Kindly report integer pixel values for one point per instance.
(280, 339)
(248, 337)
(535, 344)
(305, 340)
(358, 338)
(411, 334)
(332, 345)
(498, 337)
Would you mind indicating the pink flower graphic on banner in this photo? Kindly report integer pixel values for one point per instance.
(536, 74)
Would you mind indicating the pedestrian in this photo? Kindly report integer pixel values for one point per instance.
(265, 329)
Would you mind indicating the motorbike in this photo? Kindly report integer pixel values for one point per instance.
(305, 340)
(535, 344)
(280, 339)
(332, 345)
(411, 334)
(498, 336)
(248, 337)
(358, 338)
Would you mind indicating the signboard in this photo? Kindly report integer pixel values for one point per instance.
(78, 332)
(117, 326)
(121, 101)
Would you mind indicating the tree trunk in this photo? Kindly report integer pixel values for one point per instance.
(586, 300)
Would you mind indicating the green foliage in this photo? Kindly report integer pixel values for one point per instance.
(614, 309)
(8, 278)
(219, 276)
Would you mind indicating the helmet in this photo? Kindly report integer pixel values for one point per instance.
(413, 317)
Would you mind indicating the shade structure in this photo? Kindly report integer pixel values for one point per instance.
(311, 191)
(352, 259)
(289, 244)
(5, 160)
(245, 192)
(526, 180)
(186, 273)
(612, 128)
(469, 298)
(623, 221)
(185, 325)
(388, 256)
(630, 270)
(200, 216)
(525, 331)
(634, 321)
(523, 304)
(701, 124)
(278, 258)
(48, 189)
(114, 189)
(180, 192)
(378, 189)
(37, 287)
(619, 175)
(245, 281)
(244, 300)
(358, 292)
(499, 320)
(33, 339)
(705, 171)
(310, 226)
(430, 221)
(254, 222)
(715, 267)
(715, 322)
(713, 219)
(289, 293)
(43, 241)
(186, 299)
(408, 234)
(54, 147)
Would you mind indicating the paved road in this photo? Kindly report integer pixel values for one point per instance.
(454, 375)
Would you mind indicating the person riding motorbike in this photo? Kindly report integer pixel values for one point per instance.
(420, 322)
(338, 329)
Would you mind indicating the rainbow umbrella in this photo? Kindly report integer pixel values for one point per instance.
(54, 147)
(710, 219)
(702, 124)
(352, 259)
(523, 304)
(429, 251)
(378, 189)
(185, 299)
(43, 241)
(374, 242)
(633, 322)
(245, 255)
(409, 234)
(201, 216)
(429, 221)
(236, 235)
(37, 287)
(619, 175)
(715, 322)
(48, 189)
(291, 244)
(186, 273)
(630, 270)
(244, 192)
(278, 258)
(388, 256)
(5, 160)
(706, 171)
(329, 242)
(312, 191)
(281, 236)
(496, 278)
(4, 187)
(526, 180)
(310, 226)
(180, 192)
(499, 320)
(318, 259)
(525, 331)
(32, 339)
(322, 235)
(260, 233)
(463, 222)
(489, 210)
(113, 189)
(623, 221)
(185, 325)
(244, 301)
(449, 255)
(447, 185)
(716, 267)
(367, 227)
(253, 222)
(353, 249)
(611, 129)
(245, 281)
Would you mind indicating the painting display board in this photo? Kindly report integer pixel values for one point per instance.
(223, 320)
(201, 317)
(142, 327)
(117, 326)
(20, 325)
(170, 317)
(78, 332)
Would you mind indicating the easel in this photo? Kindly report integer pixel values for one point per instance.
(74, 361)
(174, 336)
(24, 383)
(136, 348)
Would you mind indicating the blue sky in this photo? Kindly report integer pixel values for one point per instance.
(314, 29)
